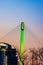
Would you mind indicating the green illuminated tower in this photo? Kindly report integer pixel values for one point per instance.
(22, 43)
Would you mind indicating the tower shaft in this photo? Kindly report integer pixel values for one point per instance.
(22, 43)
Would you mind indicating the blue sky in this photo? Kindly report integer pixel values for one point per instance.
(12, 12)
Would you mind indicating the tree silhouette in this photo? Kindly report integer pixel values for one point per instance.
(33, 57)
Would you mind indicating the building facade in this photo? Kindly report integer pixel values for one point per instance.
(7, 55)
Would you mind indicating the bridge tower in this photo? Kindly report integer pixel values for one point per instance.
(22, 43)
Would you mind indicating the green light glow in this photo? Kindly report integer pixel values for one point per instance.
(22, 44)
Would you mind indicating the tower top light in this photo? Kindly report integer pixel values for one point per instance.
(22, 25)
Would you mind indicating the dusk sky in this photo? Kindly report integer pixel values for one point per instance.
(12, 12)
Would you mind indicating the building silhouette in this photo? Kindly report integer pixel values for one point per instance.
(7, 55)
